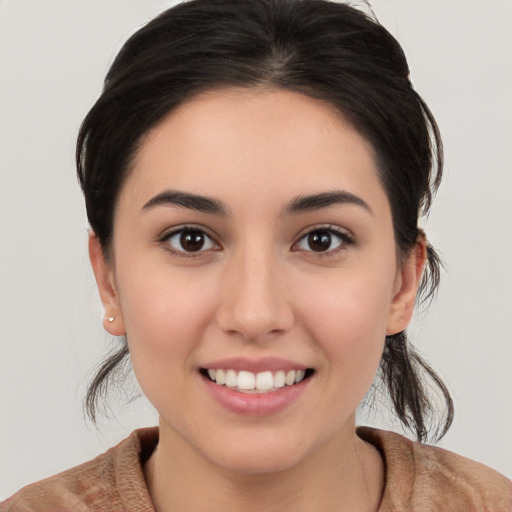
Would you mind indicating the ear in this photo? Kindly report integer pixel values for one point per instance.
(113, 321)
(406, 287)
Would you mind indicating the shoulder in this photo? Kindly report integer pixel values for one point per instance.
(109, 482)
(428, 478)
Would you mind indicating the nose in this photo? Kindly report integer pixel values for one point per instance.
(255, 301)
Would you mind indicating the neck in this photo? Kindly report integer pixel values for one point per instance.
(345, 474)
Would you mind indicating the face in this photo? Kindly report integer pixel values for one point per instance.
(254, 272)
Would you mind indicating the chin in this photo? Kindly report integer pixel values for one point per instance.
(256, 453)
(258, 461)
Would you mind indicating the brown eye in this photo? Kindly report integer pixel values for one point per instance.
(189, 240)
(323, 241)
(319, 241)
(192, 241)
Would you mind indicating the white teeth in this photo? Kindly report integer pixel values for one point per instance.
(220, 377)
(246, 380)
(279, 379)
(262, 382)
(299, 375)
(231, 379)
(290, 378)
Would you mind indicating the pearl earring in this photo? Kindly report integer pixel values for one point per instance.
(110, 318)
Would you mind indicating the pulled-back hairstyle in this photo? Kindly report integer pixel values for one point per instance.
(326, 50)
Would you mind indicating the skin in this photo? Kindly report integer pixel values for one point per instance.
(257, 290)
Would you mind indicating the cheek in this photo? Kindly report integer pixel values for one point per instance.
(348, 318)
(351, 305)
(165, 316)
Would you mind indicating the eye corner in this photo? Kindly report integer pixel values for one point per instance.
(329, 240)
(189, 241)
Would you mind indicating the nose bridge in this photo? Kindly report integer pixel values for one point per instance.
(254, 301)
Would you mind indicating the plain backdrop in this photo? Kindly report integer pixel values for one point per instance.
(53, 57)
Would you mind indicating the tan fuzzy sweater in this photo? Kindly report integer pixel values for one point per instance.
(419, 478)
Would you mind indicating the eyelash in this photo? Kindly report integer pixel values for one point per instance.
(345, 240)
(166, 237)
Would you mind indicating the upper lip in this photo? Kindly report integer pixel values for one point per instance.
(254, 365)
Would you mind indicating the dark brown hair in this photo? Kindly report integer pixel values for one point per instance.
(320, 48)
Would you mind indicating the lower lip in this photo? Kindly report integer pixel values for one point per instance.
(256, 404)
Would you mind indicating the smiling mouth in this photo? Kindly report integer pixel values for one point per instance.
(261, 382)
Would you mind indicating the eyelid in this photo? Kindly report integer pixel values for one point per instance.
(346, 235)
(170, 232)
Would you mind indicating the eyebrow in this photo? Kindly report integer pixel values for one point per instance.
(186, 200)
(212, 206)
(324, 200)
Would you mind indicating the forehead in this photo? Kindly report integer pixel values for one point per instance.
(263, 141)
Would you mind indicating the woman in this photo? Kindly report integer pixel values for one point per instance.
(253, 174)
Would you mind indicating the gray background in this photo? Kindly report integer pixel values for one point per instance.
(53, 57)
